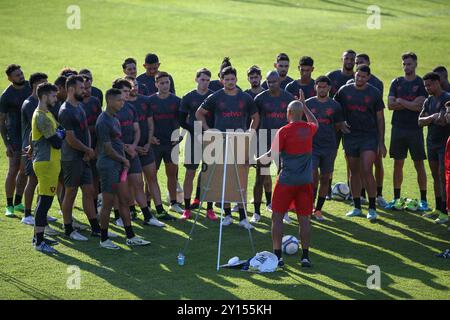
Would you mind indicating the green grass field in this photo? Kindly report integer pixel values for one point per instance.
(188, 35)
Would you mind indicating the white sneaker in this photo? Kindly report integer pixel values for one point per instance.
(119, 222)
(235, 208)
(76, 236)
(381, 202)
(28, 220)
(49, 231)
(108, 244)
(136, 241)
(78, 226)
(245, 224)
(60, 212)
(286, 218)
(255, 219)
(179, 188)
(51, 219)
(154, 222)
(227, 220)
(176, 208)
(112, 234)
(269, 208)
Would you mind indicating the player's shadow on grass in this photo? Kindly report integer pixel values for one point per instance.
(28, 289)
(372, 247)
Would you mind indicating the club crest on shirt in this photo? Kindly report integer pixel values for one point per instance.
(367, 99)
(283, 105)
(329, 111)
(241, 104)
(415, 88)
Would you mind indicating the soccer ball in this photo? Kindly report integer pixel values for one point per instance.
(289, 245)
(340, 191)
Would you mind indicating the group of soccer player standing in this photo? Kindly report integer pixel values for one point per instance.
(59, 138)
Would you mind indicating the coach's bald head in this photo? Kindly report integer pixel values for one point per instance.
(295, 111)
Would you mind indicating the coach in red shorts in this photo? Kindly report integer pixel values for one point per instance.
(293, 143)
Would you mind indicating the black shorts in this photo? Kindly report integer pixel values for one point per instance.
(109, 177)
(28, 165)
(323, 160)
(355, 144)
(192, 154)
(76, 173)
(403, 140)
(163, 152)
(93, 164)
(147, 159)
(135, 165)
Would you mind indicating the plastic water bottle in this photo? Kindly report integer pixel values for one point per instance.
(181, 259)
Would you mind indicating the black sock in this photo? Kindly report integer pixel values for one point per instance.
(209, 206)
(27, 212)
(39, 237)
(241, 214)
(17, 199)
(132, 208)
(116, 214)
(379, 191)
(363, 193)
(357, 202)
(104, 234)
(129, 232)
(149, 204)
(68, 229)
(9, 202)
(315, 194)
(438, 203)
(372, 203)
(147, 214)
(257, 207)
(95, 227)
(396, 193)
(320, 202)
(187, 203)
(423, 195)
(159, 208)
(444, 207)
(227, 211)
(172, 202)
(268, 198)
(277, 252)
(305, 254)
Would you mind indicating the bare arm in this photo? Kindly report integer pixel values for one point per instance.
(393, 104)
(113, 154)
(426, 120)
(200, 114)
(415, 105)
(3, 128)
(381, 129)
(75, 143)
(255, 121)
(309, 115)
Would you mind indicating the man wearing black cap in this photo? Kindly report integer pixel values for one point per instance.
(151, 66)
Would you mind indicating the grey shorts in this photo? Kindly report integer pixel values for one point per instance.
(109, 177)
(76, 173)
(163, 153)
(436, 153)
(28, 165)
(147, 159)
(323, 160)
(403, 140)
(135, 165)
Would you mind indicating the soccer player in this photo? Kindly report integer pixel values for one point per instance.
(362, 106)
(61, 95)
(130, 69)
(361, 59)
(305, 82)
(46, 140)
(254, 78)
(405, 99)
(28, 107)
(148, 78)
(443, 74)
(11, 102)
(447, 160)
(95, 92)
(330, 118)
(145, 152)
(282, 65)
(231, 109)
(92, 107)
(216, 85)
(433, 116)
(76, 152)
(293, 143)
(189, 105)
(272, 105)
(165, 106)
(111, 163)
(131, 135)
(340, 77)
